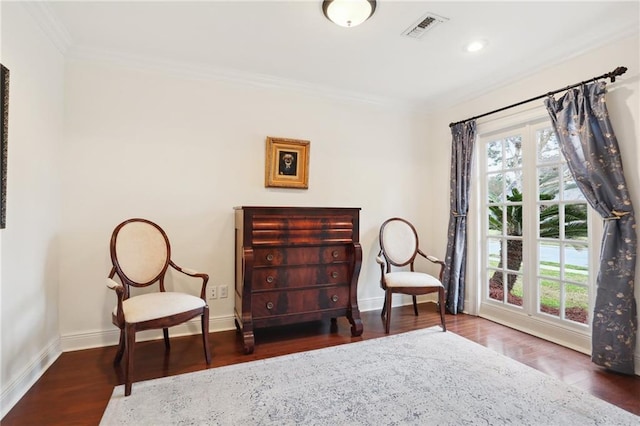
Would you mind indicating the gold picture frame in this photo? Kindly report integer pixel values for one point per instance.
(287, 163)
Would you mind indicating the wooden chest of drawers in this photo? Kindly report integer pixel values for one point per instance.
(295, 264)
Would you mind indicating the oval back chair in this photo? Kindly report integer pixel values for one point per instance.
(141, 256)
(399, 248)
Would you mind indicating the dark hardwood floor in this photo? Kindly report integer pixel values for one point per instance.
(76, 388)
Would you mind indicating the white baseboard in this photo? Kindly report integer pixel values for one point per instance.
(374, 303)
(98, 339)
(17, 388)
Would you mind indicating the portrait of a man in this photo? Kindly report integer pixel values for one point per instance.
(288, 164)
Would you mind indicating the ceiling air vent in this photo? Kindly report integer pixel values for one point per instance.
(424, 24)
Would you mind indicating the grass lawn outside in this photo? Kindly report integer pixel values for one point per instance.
(576, 292)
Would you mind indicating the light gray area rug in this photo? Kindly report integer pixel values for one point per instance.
(423, 377)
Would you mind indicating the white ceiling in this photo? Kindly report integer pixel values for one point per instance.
(291, 43)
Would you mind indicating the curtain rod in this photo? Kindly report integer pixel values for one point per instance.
(612, 75)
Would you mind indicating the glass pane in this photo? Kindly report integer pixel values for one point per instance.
(576, 303)
(549, 302)
(496, 278)
(514, 264)
(514, 219)
(514, 255)
(495, 188)
(576, 263)
(549, 223)
(548, 147)
(513, 185)
(549, 255)
(513, 152)
(494, 156)
(571, 190)
(515, 294)
(548, 183)
(575, 222)
(494, 220)
(493, 250)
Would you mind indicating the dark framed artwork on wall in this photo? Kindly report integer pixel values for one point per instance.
(4, 127)
(287, 163)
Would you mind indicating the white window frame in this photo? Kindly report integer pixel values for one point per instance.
(578, 336)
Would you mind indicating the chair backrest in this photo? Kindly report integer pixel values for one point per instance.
(140, 252)
(398, 241)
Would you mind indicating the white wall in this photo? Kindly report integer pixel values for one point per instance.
(623, 101)
(183, 151)
(30, 255)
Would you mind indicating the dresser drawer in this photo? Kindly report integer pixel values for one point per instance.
(276, 256)
(273, 303)
(299, 276)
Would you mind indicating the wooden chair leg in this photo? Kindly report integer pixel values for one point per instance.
(384, 305)
(130, 333)
(441, 303)
(165, 333)
(205, 334)
(415, 305)
(387, 303)
(120, 352)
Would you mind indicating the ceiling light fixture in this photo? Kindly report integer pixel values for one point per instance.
(348, 13)
(475, 46)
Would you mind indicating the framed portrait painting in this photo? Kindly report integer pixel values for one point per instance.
(287, 163)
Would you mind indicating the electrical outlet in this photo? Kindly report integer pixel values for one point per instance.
(213, 292)
(224, 291)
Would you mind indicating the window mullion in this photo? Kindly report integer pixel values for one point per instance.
(529, 219)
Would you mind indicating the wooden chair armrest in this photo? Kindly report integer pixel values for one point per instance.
(193, 273)
(434, 259)
(119, 289)
(382, 261)
(116, 286)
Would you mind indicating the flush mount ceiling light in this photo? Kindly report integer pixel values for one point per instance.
(475, 46)
(348, 13)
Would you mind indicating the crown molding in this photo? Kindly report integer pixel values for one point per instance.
(501, 79)
(50, 24)
(201, 71)
(56, 31)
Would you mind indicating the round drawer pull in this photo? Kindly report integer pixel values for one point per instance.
(269, 305)
(335, 253)
(334, 274)
(269, 279)
(334, 298)
(269, 257)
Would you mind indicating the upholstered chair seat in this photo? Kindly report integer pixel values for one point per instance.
(411, 279)
(152, 306)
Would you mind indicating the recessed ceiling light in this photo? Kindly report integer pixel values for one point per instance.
(475, 45)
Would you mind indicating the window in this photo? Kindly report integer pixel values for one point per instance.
(536, 234)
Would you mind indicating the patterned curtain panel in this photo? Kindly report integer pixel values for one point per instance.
(581, 121)
(464, 136)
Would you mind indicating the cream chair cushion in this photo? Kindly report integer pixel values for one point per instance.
(157, 305)
(410, 279)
